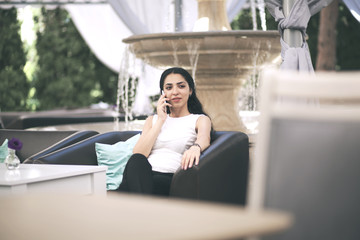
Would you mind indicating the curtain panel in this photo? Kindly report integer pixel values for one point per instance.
(295, 58)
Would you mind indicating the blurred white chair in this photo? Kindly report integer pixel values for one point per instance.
(307, 154)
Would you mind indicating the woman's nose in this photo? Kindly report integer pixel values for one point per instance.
(175, 91)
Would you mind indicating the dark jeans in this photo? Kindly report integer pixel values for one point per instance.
(138, 177)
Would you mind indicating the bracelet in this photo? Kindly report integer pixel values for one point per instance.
(196, 144)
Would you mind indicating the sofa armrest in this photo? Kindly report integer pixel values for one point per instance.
(221, 175)
(83, 153)
(74, 138)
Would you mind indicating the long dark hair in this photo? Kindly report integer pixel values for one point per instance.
(194, 104)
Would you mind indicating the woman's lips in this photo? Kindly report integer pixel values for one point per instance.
(176, 99)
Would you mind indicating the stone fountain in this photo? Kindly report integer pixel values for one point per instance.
(219, 59)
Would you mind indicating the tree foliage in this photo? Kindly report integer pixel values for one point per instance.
(14, 87)
(348, 35)
(68, 74)
(244, 21)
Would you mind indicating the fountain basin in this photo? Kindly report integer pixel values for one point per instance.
(230, 52)
(218, 60)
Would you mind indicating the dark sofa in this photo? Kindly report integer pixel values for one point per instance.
(221, 175)
(40, 143)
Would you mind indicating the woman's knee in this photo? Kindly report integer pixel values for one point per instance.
(138, 160)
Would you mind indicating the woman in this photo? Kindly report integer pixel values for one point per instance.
(173, 138)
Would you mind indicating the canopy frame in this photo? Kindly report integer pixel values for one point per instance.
(51, 2)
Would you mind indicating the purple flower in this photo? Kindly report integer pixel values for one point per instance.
(15, 144)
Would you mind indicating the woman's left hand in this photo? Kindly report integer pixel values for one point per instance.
(190, 157)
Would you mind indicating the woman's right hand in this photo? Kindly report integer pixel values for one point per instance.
(161, 107)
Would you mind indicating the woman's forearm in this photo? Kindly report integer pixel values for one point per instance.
(148, 138)
(203, 142)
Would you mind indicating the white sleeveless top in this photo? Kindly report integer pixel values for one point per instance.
(176, 135)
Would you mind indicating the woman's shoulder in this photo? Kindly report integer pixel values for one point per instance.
(197, 114)
(203, 117)
(203, 122)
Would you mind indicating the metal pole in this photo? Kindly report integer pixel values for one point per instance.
(292, 37)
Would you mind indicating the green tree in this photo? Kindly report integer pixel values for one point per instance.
(108, 81)
(347, 42)
(68, 74)
(244, 21)
(14, 87)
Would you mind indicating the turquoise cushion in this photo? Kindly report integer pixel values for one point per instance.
(3, 151)
(115, 157)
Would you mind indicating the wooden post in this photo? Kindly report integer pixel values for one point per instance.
(326, 48)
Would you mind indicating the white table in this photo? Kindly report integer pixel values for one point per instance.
(129, 216)
(46, 178)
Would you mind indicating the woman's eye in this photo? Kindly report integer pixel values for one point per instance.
(182, 86)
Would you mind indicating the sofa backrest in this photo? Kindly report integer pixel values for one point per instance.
(83, 152)
(33, 141)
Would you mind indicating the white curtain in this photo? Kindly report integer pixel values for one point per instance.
(295, 58)
(143, 16)
(354, 7)
(102, 30)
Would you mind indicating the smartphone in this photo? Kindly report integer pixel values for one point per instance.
(162, 92)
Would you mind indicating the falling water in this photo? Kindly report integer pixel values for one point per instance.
(261, 7)
(193, 47)
(123, 75)
(254, 79)
(174, 45)
(1, 121)
(193, 53)
(253, 14)
(249, 95)
(125, 89)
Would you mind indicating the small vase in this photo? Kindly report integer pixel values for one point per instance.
(12, 161)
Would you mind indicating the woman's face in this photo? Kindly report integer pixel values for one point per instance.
(177, 90)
